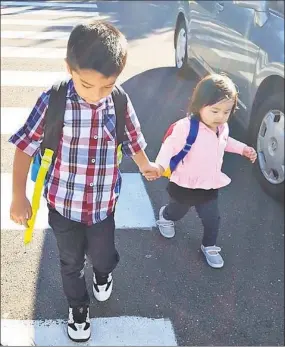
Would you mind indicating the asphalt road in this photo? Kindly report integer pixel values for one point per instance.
(241, 304)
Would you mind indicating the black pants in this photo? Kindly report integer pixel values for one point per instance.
(208, 213)
(75, 241)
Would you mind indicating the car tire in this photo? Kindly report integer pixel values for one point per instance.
(180, 44)
(271, 110)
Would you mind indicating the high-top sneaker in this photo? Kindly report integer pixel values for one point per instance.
(102, 287)
(78, 328)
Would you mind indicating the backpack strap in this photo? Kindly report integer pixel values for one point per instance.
(191, 138)
(120, 102)
(193, 132)
(54, 117)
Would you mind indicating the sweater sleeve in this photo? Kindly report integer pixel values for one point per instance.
(235, 146)
(173, 143)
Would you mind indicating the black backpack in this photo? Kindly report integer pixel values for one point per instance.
(54, 117)
(54, 120)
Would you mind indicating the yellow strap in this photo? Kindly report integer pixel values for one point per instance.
(167, 173)
(45, 164)
(119, 154)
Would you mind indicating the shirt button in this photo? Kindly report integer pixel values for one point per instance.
(93, 160)
(91, 184)
(95, 137)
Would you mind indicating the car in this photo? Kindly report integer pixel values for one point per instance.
(244, 40)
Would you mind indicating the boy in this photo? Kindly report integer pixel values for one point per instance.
(83, 185)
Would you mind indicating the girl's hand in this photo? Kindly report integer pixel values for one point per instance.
(250, 153)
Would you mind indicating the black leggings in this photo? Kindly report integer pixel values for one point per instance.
(208, 213)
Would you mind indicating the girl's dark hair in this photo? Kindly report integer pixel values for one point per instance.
(210, 90)
(99, 46)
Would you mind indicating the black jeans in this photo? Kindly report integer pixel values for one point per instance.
(76, 240)
(208, 213)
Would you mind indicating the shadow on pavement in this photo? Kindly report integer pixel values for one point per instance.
(136, 19)
(159, 97)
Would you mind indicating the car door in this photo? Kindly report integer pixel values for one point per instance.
(233, 51)
(200, 18)
(221, 42)
(238, 52)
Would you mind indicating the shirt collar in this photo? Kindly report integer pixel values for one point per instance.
(220, 127)
(204, 126)
(72, 94)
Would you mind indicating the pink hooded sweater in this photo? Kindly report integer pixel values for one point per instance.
(202, 166)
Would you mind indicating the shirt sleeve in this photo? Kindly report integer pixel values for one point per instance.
(29, 137)
(135, 140)
(234, 146)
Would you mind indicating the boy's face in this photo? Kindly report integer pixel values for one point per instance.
(91, 85)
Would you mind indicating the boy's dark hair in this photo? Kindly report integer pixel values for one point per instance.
(99, 46)
(210, 90)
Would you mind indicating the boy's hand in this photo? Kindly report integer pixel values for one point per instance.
(250, 153)
(152, 171)
(21, 211)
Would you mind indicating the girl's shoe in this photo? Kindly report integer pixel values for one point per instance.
(78, 328)
(166, 227)
(213, 257)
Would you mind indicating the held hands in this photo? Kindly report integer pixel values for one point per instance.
(152, 171)
(250, 153)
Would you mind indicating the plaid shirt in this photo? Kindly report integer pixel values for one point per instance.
(84, 183)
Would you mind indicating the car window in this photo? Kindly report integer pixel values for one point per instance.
(277, 6)
(207, 5)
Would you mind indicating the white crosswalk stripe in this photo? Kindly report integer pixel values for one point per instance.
(52, 4)
(38, 22)
(30, 52)
(19, 116)
(34, 35)
(134, 210)
(121, 331)
(30, 78)
(30, 10)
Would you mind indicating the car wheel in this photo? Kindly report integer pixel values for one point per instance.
(267, 133)
(181, 58)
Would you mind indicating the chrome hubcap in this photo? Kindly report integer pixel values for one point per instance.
(270, 146)
(180, 48)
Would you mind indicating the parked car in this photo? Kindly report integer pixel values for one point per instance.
(245, 40)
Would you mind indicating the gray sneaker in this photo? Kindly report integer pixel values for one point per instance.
(213, 257)
(166, 227)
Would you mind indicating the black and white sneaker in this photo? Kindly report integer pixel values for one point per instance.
(102, 288)
(78, 328)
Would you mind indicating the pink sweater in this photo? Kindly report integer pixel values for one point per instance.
(202, 165)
